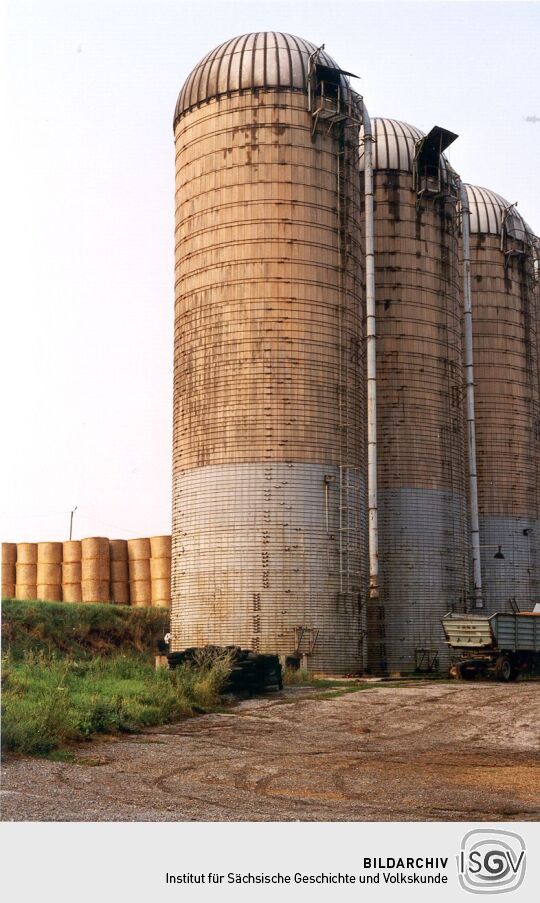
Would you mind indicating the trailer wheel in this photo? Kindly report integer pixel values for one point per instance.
(504, 669)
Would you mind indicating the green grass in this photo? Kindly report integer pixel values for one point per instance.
(49, 701)
(80, 631)
(300, 677)
(332, 688)
(71, 672)
(297, 677)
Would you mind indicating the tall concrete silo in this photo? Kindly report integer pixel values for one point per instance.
(268, 483)
(423, 557)
(507, 403)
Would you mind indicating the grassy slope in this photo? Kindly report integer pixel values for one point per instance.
(81, 631)
(72, 671)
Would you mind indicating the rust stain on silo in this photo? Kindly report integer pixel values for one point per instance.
(423, 571)
(507, 400)
(268, 403)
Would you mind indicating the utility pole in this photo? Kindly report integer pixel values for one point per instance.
(71, 521)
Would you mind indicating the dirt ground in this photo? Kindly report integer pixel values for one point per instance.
(426, 752)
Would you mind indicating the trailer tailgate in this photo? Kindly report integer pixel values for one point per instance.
(472, 631)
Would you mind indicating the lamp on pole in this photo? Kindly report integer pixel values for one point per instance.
(498, 554)
(71, 520)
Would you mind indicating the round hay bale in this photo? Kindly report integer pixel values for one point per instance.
(161, 589)
(49, 553)
(71, 592)
(139, 569)
(26, 574)
(9, 572)
(161, 603)
(95, 547)
(120, 592)
(95, 590)
(160, 546)
(141, 593)
(161, 592)
(118, 549)
(71, 572)
(138, 548)
(119, 572)
(26, 591)
(9, 552)
(160, 568)
(48, 592)
(49, 574)
(27, 553)
(95, 569)
(72, 551)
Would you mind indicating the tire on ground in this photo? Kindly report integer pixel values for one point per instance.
(504, 669)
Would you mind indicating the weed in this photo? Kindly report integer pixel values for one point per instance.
(201, 681)
(296, 677)
(80, 631)
(60, 755)
(50, 700)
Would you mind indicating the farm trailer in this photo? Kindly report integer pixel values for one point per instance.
(505, 644)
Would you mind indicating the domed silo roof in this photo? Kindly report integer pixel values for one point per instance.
(263, 59)
(394, 145)
(488, 212)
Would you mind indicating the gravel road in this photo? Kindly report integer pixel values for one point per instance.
(423, 752)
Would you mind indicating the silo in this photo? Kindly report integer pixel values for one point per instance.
(507, 404)
(423, 556)
(268, 470)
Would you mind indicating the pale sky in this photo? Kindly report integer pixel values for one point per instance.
(87, 310)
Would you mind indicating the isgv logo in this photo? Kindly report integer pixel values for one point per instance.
(491, 862)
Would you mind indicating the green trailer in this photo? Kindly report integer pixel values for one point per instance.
(504, 645)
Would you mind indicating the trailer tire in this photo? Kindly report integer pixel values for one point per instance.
(504, 669)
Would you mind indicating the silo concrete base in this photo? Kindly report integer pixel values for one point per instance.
(422, 568)
(267, 557)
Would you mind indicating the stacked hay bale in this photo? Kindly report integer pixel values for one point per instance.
(140, 586)
(90, 570)
(95, 569)
(9, 559)
(160, 570)
(26, 571)
(72, 571)
(49, 571)
(118, 551)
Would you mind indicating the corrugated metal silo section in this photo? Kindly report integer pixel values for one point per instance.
(268, 482)
(423, 559)
(505, 346)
